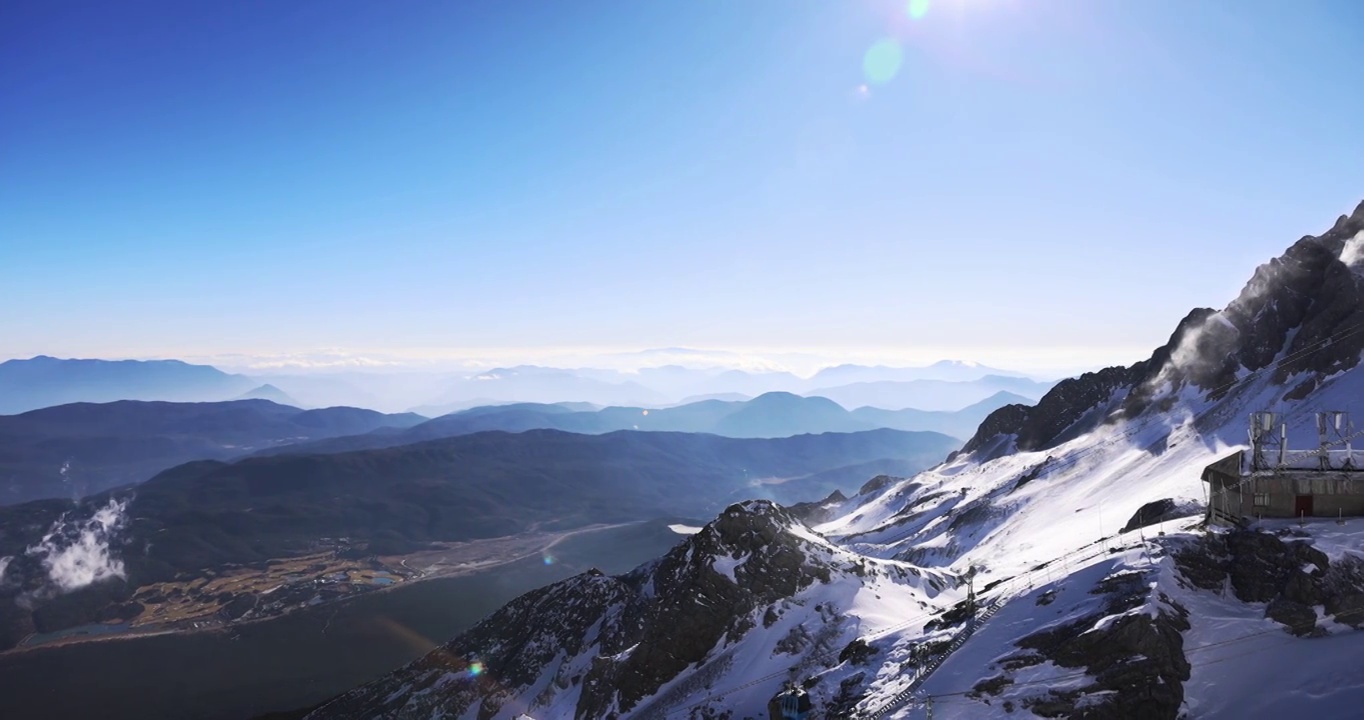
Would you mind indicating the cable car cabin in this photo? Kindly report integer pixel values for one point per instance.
(792, 703)
(1239, 493)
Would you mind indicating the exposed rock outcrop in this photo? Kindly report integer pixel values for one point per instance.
(1159, 511)
(1291, 576)
(1137, 661)
(618, 639)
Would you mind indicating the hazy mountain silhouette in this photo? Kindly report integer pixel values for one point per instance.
(271, 393)
(767, 416)
(44, 381)
(82, 448)
(944, 370)
(674, 384)
(931, 394)
(530, 383)
(957, 423)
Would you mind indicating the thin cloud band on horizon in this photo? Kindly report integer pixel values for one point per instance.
(1038, 360)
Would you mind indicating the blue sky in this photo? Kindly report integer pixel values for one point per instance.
(1049, 181)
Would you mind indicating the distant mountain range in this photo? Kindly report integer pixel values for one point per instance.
(931, 394)
(528, 383)
(45, 382)
(947, 385)
(770, 415)
(78, 449)
(74, 450)
(944, 371)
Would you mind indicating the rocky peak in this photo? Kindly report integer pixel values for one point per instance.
(1302, 311)
(613, 640)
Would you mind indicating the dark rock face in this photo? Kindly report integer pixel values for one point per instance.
(694, 606)
(636, 631)
(1298, 308)
(878, 483)
(1300, 619)
(1344, 585)
(1348, 609)
(1137, 661)
(1151, 513)
(814, 513)
(857, 652)
(1262, 565)
(1292, 577)
(1009, 419)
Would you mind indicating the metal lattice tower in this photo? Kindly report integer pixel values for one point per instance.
(1264, 440)
(1334, 428)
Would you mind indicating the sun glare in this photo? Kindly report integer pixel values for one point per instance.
(882, 61)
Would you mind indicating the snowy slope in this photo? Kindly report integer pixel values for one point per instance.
(1242, 663)
(1005, 510)
(1085, 621)
(731, 613)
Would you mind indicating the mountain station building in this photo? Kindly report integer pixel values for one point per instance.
(1269, 481)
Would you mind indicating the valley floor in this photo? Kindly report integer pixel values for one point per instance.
(226, 598)
(306, 656)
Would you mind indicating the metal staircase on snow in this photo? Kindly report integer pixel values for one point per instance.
(924, 671)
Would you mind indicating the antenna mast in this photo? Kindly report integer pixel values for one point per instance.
(1263, 439)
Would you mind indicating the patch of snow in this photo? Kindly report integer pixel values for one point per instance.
(726, 565)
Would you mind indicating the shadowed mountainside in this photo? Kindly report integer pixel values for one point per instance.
(74, 450)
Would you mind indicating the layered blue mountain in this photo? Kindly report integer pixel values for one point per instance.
(931, 394)
(82, 448)
(771, 415)
(271, 393)
(44, 381)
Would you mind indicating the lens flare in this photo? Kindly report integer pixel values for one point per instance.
(549, 559)
(882, 62)
(475, 668)
(917, 9)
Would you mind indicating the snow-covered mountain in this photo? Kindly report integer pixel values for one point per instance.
(1074, 525)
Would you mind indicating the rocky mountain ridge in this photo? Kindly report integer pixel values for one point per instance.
(595, 646)
(1301, 317)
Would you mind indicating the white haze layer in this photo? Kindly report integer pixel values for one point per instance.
(75, 553)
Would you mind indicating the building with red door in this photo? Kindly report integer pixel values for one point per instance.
(1271, 481)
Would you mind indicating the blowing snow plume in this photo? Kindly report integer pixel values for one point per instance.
(76, 553)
